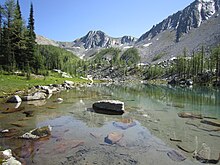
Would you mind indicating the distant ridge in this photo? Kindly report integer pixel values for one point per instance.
(196, 25)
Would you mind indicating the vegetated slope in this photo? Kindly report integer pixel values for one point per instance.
(114, 64)
(53, 57)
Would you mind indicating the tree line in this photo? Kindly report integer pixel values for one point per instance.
(17, 41)
(202, 66)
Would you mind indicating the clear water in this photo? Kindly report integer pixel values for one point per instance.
(78, 135)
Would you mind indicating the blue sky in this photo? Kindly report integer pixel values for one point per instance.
(66, 20)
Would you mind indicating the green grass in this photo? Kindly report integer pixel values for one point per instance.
(12, 83)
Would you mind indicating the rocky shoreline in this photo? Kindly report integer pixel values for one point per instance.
(42, 92)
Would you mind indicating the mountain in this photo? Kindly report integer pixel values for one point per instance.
(90, 44)
(193, 27)
(182, 21)
(98, 39)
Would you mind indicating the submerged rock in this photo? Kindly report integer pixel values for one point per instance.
(7, 158)
(12, 110)
(8, 133)
(37, 103)
(14, 99)
(18, 124)
(124, 124)
(203, 155)
(113, 137)
(38, 133)
(208, 161)
(110, 107)
(190, 115)
(25, 150)
(29, 113)
(65, 145)
(175, 156)
(211, 122)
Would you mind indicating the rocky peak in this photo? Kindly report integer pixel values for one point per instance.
(182, 21)
(94, 39)
(98, 39)
(128, 40)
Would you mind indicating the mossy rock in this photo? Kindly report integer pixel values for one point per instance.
(42, 132)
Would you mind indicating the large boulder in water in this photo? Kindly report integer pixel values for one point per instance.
(110, 107)
(14, 99)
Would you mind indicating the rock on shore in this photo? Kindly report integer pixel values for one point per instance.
(14, 99)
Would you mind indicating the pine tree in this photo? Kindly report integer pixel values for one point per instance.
(17, 28)
(1, 47)
(202, 60)
(8, 54)
(31, 36)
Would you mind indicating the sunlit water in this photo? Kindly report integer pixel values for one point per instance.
(78, 135)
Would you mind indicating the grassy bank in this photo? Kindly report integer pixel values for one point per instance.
(9, 84)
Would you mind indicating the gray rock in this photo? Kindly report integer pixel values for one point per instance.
(14, 99)
(8, 159)
(48, 91)
(35, 96)
(55, 89)
(66, 86)
(45, 87)
(59, 100)
(70, 83)
(111, 107)
(38, 133)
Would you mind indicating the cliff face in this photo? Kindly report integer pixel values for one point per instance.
(182, 21)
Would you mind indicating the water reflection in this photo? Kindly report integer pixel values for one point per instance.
(201, 99)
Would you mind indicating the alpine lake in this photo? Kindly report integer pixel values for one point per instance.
(152, 132)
